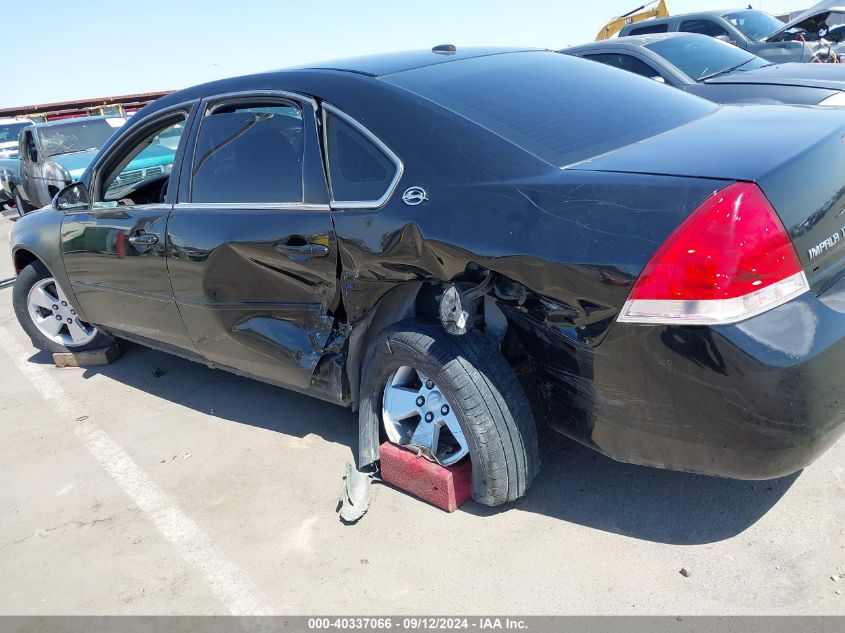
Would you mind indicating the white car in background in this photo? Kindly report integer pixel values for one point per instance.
(10, 129)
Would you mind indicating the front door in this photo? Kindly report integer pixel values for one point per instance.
(253, 257)
(28, 151)
(115, 251)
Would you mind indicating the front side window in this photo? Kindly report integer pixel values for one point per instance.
(144, 172)
(755, 25)
(358, 169)
(30, 151)
(704, 27)
(249, 153)
(625, 62)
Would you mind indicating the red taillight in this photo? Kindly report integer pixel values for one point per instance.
(730, 260)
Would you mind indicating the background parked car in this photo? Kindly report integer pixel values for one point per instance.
(9, 131)
(718, 71)
(755, 31)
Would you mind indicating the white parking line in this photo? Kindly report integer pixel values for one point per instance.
(228, 583)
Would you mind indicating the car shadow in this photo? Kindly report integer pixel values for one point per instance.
(223, 394)
(576, 484)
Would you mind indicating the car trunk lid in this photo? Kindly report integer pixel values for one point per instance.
(796, 155)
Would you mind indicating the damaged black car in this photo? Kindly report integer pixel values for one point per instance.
(464, 244)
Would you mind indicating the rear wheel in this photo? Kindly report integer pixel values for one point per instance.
(48, 317)
(451, 396)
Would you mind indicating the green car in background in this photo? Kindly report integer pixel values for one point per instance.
(52, 155)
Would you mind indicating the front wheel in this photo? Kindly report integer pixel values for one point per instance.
(48, 317)
(450, 396)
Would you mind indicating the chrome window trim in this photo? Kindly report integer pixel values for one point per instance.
(250, 206)
(283, 94)
(209, 105)
(375, 140)
(182, 105)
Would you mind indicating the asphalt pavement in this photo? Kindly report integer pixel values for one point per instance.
(159, 486)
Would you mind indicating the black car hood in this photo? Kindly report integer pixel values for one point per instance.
(829, 76)
(819, 10)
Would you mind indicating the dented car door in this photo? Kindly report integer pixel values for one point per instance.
(253, 255)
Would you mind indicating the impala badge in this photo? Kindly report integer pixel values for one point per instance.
(827, 244)
(414, 196)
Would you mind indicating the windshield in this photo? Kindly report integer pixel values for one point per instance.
(755, 25)
(559, 108)
(9, 132)
(77, 136)
(700, 57)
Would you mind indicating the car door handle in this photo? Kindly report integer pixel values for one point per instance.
(303, 250)
(143, 241)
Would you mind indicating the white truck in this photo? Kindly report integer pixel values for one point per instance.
(9, 132)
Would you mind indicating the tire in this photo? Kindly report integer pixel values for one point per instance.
(482, 389)
(36, 274)
(21, 206)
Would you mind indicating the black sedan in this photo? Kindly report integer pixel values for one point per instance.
(718, 71)
(429, 237)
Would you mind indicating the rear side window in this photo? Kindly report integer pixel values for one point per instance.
(651, 28)
(625, 62)
(359, 170)
(704, 27)
(249, 153)
(559, 108)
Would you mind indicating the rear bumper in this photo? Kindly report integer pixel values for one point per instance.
(756, 400)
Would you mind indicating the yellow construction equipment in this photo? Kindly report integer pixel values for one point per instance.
(637, 15)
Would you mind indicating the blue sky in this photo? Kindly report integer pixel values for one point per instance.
(100, 48)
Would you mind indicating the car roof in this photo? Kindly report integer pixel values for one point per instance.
(631, 40)
(310, 75)
(391, 63)
(695, 14)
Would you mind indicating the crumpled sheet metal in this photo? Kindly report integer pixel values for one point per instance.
(356, 495)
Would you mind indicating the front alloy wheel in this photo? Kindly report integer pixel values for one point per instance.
(46, 315)
(55, 317)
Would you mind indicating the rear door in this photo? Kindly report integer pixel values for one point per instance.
(114, 252)
(253, 254)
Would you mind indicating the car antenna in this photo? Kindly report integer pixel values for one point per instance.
(445, 49)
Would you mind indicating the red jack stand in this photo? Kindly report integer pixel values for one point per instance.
(447, 487)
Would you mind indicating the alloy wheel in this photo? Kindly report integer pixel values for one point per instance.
(416, 413)
(55, 317)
